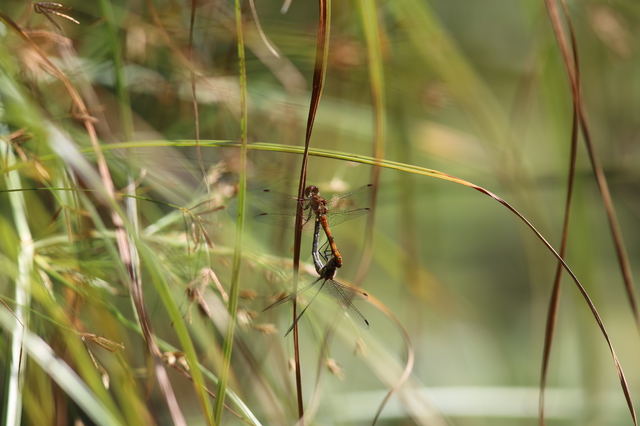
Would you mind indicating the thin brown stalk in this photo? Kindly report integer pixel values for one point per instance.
(573, 74)
(376, 78)
(554, 301)
(319, 73)
(196, 111)
(601, 179)
(583, 292)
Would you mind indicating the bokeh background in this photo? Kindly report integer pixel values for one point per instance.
(473, 89)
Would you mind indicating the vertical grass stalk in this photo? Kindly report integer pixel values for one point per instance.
(371, 26)
(319, 73)
(235, 273)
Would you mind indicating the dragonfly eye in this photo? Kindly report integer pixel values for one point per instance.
(311, 190)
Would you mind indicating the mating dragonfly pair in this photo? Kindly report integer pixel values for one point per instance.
(327, 259)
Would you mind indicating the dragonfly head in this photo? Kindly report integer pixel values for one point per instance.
(328, 272)
(311, 190)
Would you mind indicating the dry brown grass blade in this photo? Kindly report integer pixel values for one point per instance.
(103, 342)
(593, 157)
(585, 295)
(554, 301)
(198, 223)
(573, 73)
(209, 209)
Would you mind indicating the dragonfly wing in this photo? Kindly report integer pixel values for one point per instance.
(279, 302)
(305, 308)
(350, 205)
(290, 296)
(336, 217)
(284, 220)
(346, 292)
(355, 199)
(343, 295)
(278, 201)
(284, 206)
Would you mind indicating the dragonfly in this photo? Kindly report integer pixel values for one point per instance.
(325, 253)
(330, 212)
(340, 293)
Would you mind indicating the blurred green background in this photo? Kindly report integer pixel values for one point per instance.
(473, 89)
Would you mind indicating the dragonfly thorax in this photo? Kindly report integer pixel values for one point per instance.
(315, 201)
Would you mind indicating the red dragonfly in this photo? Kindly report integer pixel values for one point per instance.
(330, 212)
(340, 293)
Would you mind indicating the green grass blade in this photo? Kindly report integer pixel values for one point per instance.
(235, 273)
(17, 362)
(42, 354)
